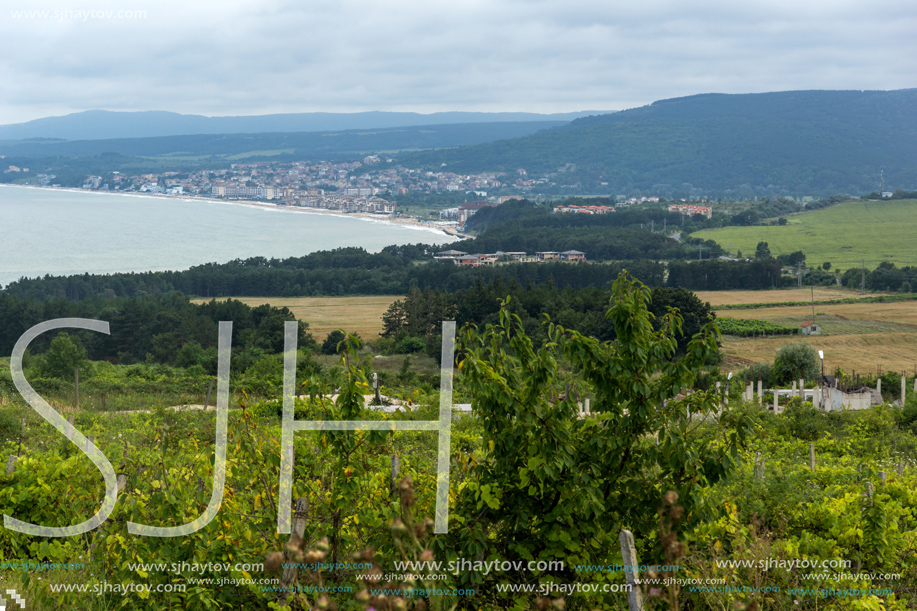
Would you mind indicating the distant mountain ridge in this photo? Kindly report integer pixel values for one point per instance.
(288, 146)
(793, 142)
(104, 124)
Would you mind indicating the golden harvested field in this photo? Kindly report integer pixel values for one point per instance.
(855, 336)
(803, 293)
(361, 315)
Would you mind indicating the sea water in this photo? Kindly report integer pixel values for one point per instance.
(62, 232)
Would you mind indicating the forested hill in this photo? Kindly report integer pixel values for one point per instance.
(798, 142)
(520, 225)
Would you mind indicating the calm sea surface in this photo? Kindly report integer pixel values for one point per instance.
(44, 231)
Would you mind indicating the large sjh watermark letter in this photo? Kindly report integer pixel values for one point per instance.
(57, 421)
(95, 454)
(219, 462)
(443, 425)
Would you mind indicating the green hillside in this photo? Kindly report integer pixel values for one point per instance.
(794, 142)
(844, 234)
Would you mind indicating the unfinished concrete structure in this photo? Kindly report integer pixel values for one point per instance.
(849, 394)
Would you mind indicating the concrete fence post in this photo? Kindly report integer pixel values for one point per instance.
(631, 571)
(396, 469)
(209, 390)
(295, 543)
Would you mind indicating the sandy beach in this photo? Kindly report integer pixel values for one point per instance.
(385, 218)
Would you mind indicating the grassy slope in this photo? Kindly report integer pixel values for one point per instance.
(844, 234)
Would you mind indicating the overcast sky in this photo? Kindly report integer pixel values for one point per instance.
(244, 57)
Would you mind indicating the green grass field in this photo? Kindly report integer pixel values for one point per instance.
(844, 234)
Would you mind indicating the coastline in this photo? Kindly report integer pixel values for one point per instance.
(411, 222)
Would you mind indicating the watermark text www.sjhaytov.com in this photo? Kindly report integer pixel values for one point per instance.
(32, 565)
(787, 565)
(483, 567)
(123, 589)
(195, 567)
(63, 14)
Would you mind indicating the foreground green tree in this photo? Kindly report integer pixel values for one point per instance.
(553, 486)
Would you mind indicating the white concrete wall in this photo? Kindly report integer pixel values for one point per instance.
(838, 400)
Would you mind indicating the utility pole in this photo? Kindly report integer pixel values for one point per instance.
(813, 302)
(863, 277)
(700, 252)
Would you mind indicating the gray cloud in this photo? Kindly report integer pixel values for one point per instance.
(248, 57)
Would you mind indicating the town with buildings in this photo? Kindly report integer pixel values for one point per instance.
(369, 186)
(691, 210)
(355, 186)
(463, 259)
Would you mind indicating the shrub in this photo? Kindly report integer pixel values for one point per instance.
(803, 421)
(330, 345)
(9, 425)
(410, 345)
(190, 354)
(758, 371)
(795, 361)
